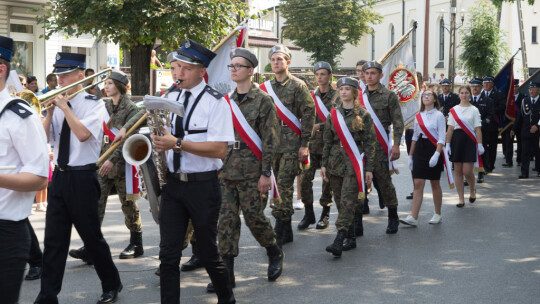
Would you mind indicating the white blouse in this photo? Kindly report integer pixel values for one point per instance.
(469, 114)
(435, 123)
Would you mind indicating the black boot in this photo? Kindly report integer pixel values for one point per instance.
(192, 264)
(480, 177)
(309, 218)
(278, 229)
(275, 262)
(135, 247)
(337, 247)
(324, 220)
(34, 273)
(287, 232)
(366, 206)
(229, 263)
(81, 254)
(358, 226)
(393, 221)
(350, 241)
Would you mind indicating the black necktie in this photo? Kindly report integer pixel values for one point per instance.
(63, 148)
(179, 131)
(474, 99)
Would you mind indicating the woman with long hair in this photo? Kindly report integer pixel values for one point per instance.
(337, 167)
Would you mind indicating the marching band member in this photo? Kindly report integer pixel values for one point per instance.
(75, 128)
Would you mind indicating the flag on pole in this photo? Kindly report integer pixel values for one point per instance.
(399, 75)
(218, 76)
(504, 82)
(524, 88)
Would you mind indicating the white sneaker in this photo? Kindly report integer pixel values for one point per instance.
(40, 207)
(436, 219)
(298, 205)
(410, 221)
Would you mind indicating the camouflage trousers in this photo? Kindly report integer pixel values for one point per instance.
(381, 177)
(242, 196)
(346, 197)
(132, 217)
(306, 186)
(286, 168)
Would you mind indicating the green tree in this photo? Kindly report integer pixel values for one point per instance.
(498, 4)
(483, 50)
(323, 27)
(137, 24)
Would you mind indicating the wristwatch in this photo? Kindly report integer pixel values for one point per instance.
(266, 173)
(178, 147)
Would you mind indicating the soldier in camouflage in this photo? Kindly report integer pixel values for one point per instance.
(245, 180)
(328, 95)
(292, 149)
(337, 168)
(385, 103)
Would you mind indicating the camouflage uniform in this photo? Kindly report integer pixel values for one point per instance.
(339, 168)
(241, 172)
(385, 103)
(294, 94)
(125, 110)
(315, 154)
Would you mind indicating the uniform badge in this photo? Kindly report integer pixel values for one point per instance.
(187, 45)
(58, 57)
(403, 83)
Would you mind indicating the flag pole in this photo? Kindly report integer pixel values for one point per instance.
(396, 45)
(222, 42)
(508, 62)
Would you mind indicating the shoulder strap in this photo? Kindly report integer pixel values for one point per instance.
(15, 105)
(192, 109)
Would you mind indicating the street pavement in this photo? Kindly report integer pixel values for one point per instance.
(487, 252)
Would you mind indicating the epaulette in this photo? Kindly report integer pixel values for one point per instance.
(17, 107)
(214, 93)
(91, 97)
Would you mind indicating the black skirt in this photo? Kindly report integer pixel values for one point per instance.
(463, 148)
(423, 151)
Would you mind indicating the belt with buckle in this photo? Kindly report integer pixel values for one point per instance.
(193, 177)
(89, 167)
(238, 145)
(106, 139)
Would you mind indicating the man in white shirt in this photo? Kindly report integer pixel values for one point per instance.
(24, 168)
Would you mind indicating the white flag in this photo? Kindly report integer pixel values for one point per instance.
(13, 83)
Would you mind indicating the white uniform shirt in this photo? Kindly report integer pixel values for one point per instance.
(23, 144)
(435, 123)
(211, 114)
(469, 114)
(91, 113)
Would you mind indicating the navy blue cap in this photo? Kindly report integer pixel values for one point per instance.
(488, 79)
(534, 84)
(516, 82)
(476, 82)
(68, 62)
(194, 53)
(6, 48)
(445, 82)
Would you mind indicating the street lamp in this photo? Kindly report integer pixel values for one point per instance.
(452, 31)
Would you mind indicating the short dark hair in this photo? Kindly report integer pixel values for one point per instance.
(51, 77)
(31, 79)
(87, 71)
(8, 66)
(361, 62)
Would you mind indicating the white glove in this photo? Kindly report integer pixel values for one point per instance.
(480, 149)
(410, 162)
(448, 150)
(434, 159)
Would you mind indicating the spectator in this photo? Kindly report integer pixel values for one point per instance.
(31, 84)
(154, 60)
(94, 90)
(52, 82)
(434, 78)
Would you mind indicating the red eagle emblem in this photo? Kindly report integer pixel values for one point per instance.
(403, 83)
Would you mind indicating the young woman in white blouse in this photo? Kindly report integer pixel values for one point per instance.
(463, 146)
(425, 160)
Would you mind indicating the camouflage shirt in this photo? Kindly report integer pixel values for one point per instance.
(123, 112)
(330, 101)
(260, 112)
(385, 103)
(335, 158)
(295, 95)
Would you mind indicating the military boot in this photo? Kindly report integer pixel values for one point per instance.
(309, 218)
(275, 262)
(325, 218)
(229, 263)
(358, 225)
(288, 236)
(350, 240)
(337, 247)
(135, 247)
(393, 221)
(278, 229)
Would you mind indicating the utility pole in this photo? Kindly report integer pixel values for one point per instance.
(426, 39)
(522, 36)
(452, 51)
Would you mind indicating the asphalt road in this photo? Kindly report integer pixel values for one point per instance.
(487, 252)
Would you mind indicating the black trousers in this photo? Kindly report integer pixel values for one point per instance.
(508, 145)
(199, 201)
(530, 148)
(519, 149)
(15, 244)
(36, 256)
(73, 200)
(490, 145)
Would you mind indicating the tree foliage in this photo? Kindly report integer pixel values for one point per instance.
(499, 3)
(483, 50)
(323, 27)
(137, 24)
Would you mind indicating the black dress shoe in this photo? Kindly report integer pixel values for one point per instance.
(508, 165)
(158, 272)
(81, 254)
(192, 264)
(410, 196)
(34, 273)
(110, 296)
(523, 176)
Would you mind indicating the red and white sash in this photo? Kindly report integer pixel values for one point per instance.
(132, 179)
(351, 148)
(320, 108)
(384, 140)
(284, 114)
(478, 165)
(420, 118)
(253, 141)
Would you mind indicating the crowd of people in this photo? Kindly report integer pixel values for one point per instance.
(259, 138)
